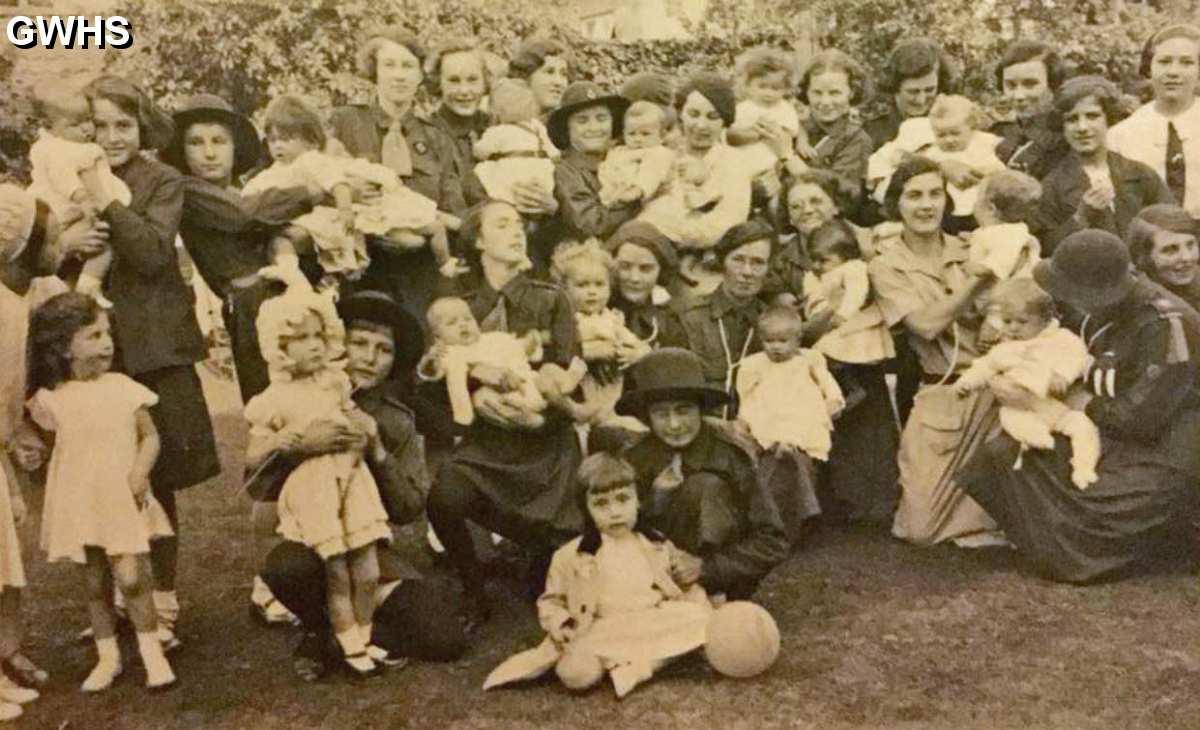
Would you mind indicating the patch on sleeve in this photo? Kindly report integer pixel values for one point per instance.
(1177, 346)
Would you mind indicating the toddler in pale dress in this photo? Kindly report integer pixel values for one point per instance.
(838, 283)
(766, 81)
(1003, 243)
(640, 168)
(1041, 359)
(99, 511)
(517, 147)
(614, 602)
(584, 270)
(60, 158)
(297, 142)
(499, 360)
(329, 502)
(787, 400)
(949, 133)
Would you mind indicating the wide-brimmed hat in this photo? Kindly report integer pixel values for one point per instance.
(578, 96)
(671, 373)
(247, 146)
(1089, 270)
(380, 308)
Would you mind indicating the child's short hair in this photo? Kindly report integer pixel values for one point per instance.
(511, 102)
(51, 328)
(949, 106)
(51, 100)
(762, 60)
(569, 257)
(290, 117)
(779, 314)
(604, 472)
(646, 110)
(279, 316)
(835, 236)
(1025, 292)
(1013, 194)
(437, 306)
(1078, 88)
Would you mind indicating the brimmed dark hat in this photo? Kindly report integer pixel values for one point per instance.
(247, 146)
(671, 373)
(380, 308)
(578, 96)
(1089, 270)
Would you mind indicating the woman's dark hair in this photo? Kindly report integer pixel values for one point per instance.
(1178, 30)
(51, 328)
(917, 57)
(908, 169)
(836, 187)
(365, 57)
(836, 237)
(599, 473)
(155, 128)
(290, 118)
(1154, 219)
(1023, 51)
(532, 54)
(829, 60)
(1078, 88)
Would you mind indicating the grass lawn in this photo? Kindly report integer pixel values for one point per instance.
(876, 634)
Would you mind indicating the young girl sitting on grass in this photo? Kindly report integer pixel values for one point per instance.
(297, 142)
(612, 604)
(99, 511)
(329, 502)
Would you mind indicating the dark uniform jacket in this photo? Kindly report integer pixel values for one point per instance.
(703, 320)
(463, 132)
(402, 477)
(1151, 350)
(884, 127)
(531, 305)
(577, 187)
(1134, 184)
(153, 315)
(1031, 146)
(761, 544)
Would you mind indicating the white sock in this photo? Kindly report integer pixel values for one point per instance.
(107, 668)
(108, 651)
(366, 630)
(158, 669)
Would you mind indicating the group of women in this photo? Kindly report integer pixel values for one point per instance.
(912, 453)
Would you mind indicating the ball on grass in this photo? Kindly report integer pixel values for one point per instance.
(743, 640)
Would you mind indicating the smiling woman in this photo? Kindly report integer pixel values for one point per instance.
(1092, 187)
(1163, 245)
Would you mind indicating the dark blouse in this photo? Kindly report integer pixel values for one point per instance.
(577, 187)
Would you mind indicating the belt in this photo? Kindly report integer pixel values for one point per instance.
(934, 379)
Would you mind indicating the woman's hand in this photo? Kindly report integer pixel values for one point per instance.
(533, 198)
(490, 406)
(983, 273)
(139, 486)
(84, 239)
(1098, 199)
(629, 352)
(686, 569)
(774, 137)
(325, 436)
(599, 350)
(960, 174)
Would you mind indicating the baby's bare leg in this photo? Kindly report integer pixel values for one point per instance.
(1085, 446)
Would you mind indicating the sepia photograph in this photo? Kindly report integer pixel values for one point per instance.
(589, 364)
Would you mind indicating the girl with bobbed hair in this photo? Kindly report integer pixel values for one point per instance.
(546, 65)
(1092, 187)
(1163, 244)
(457, 72)
(1028, 75)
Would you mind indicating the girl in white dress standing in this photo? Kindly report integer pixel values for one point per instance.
(99, 511)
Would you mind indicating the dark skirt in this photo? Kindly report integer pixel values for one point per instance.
(861, 476)
(1074, 535)
(240, 312)
(528, 474)
(188, 451)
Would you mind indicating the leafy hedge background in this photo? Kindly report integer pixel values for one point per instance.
(250, 51)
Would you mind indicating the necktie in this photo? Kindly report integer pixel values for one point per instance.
(497, 319)
(1176, 169)
(394, 152)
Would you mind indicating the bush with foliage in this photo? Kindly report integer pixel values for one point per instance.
(251, 51)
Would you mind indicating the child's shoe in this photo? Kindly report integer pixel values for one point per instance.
(103, 675)
(14, 693)
(159, 674)
(354, 654)
(384, 658)
(166, 609)
(266, 609)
